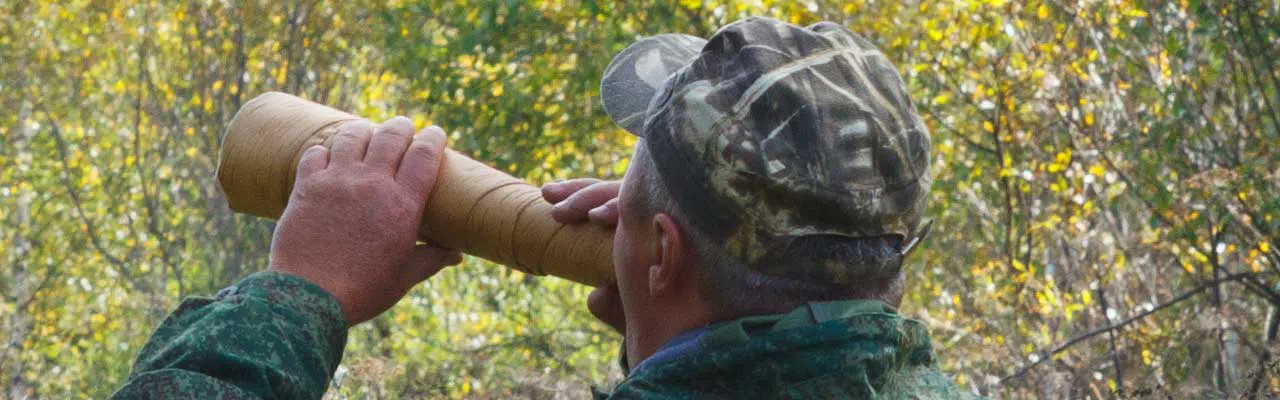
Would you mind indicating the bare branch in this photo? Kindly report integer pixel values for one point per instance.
(1048, 354)
(89, 229)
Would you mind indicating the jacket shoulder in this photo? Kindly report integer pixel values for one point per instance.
(924, 382)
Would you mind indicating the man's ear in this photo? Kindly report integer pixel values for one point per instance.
(670, 257)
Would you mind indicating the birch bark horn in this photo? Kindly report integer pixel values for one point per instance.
(474, 208)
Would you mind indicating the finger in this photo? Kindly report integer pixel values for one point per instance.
(388, 143)
(350, 143)
(574, 209)
(422, 160)
(556, 192)
(427, 260)
(605, 215)
(606, 305)
(314, 160)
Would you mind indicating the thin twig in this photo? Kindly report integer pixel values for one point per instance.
(1047, 355)
(89, 229)
(1115, 345)
(1260, 377)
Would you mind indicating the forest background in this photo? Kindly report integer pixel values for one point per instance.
(1106, 193)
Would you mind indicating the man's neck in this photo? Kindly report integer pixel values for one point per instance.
(653, 333)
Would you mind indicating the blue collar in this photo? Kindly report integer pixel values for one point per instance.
(682, 344)
(741, 330)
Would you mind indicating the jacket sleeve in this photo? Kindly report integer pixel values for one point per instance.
(272, 335)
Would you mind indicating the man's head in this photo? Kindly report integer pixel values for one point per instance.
(778, 165)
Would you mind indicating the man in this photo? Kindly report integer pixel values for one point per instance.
(780, 179)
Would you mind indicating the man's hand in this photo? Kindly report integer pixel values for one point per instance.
(352, 221)
(577, 201)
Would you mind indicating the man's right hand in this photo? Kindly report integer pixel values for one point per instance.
(353, 217)
(590, 200)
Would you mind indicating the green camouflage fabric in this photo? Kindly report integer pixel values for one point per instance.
(771, 131)
(858, 349)
(271, 336)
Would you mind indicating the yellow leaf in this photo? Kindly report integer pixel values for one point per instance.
(1264, 247)
(1043, 11)
(942, 98)
(935, 34)
(987, 126)
(1098, 170)
(1063, 157)
(1088, 119)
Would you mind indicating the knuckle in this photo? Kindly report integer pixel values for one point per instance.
(350, 133)
(594, 199)
(574, 202)
(423, 150)
(389, 130)
(365, 184)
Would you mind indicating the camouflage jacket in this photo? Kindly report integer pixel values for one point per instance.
(269, 336)
(277, 336)
(857, 349)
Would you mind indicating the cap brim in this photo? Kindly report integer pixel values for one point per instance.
(638, 73)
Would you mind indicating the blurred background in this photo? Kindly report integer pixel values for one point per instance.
(1105, 194)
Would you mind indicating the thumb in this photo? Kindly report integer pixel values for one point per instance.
(426, 260)
(606, 304)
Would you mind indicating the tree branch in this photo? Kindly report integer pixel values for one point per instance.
(92, 233)
(1048, 354)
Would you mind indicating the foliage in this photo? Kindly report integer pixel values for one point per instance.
(1106, 190)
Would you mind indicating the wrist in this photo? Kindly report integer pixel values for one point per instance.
(331, 290)
(291, 294)
(290, 310)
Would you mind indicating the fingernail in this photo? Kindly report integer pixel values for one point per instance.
(432, 134)
(394, 125)
(401, 118)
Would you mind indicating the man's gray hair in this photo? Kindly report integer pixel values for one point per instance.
(735, 290)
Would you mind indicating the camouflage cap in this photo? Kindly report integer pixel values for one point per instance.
(769, 131)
